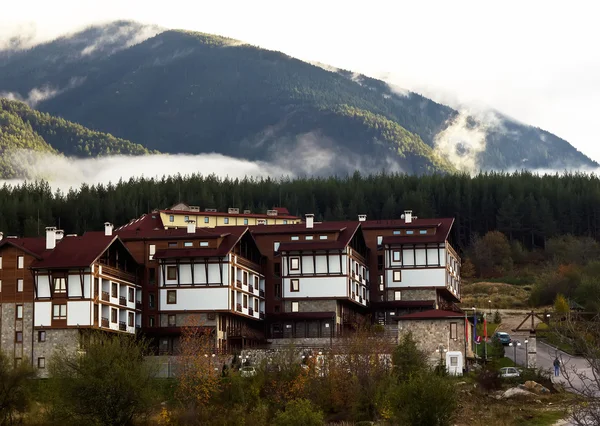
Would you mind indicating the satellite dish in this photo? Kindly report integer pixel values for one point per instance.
(402, 216)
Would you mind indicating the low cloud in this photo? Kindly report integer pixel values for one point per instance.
(40, 94)
(67, 172)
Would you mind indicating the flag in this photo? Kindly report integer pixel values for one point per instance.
(485, 336)
(474, 325)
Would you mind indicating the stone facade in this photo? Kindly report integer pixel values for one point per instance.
(430, 334)
(413, 294)
(10, 325)
(55, 339)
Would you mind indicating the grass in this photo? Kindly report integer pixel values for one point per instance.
(547, 336)
(502, 295)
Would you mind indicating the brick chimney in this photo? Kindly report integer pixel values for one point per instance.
(310, 220)
(50, 238)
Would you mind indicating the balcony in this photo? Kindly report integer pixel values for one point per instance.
(261, 315)
(238, 307)
(117, 273)
(122, 326)
(105, 323)
(122, 301)
(248, 264)
(261, 292)
(251, 288)
(238, 283)
(138, 304)
(251, 312)
(105, 296)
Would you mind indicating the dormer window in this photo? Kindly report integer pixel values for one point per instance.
(322, 237)
(203, 243)
(423, 231)
(409, 232)
(309, 237)
(396, 232)
(188, 244)
(295, 238)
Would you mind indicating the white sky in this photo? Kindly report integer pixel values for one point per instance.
(537, 61)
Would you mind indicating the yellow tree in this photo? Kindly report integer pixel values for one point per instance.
(199, 365)
(561, 306)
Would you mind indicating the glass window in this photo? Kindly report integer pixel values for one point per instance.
(295, 238)
(59, 312)
(396, 232)
(285, 221)
(397, 295)
(423, 231)
(151, 321)
(151, 300)
(453, 330)
(171, 297)
(295, 306)
(226, 220)
(410, 232)
(172, 244)
(41, 336)
(397, 276)
(113, 315)
(309, 237)
(152, 251)
(172, 320)
(188, 244)
(0, 262)
(115, 290)
(41, 362)
(205, 219)
(276, 245)
(19, 337)
(295, 285)
(186, 218)
(295, 263)
(171, 272)
(19, 311)
(203, 243)
(171, 218)
(60, 285)
(379, 240)
(245, 301)
(245, 221)
(20, 262)
(130, 319)
(131, 293)
(396, 255)
(20, 285)
(322, 237)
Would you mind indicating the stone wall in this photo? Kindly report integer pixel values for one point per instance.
(9, 325)
(55, 339)
(413, 294)
(431, 333)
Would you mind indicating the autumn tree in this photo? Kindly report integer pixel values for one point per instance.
(199, 364)
(492, 254)
(561, 305)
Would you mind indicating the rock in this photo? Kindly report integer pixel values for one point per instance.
(516, 392)
(461, 383)
(535, 387)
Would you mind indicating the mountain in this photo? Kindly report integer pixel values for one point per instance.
(25, 132)
(181, 91)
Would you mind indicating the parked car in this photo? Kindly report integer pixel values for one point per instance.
(503, 337)
(247, 371)
(506, 372)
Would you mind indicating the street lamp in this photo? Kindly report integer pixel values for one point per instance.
(526, 354)
(490, 302)
(514, 345)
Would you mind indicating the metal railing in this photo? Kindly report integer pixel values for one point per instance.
(122, 326)
(122, 301)
(105, 322)
(105, 296)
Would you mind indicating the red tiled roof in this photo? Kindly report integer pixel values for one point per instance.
(401, 224)
(180, 233)
(282, 211)
(34, 246)
(432, 314)
(442, 230)
(346, 232)
(228, 243)
(300, 228)
(75, 252)
(146, 222)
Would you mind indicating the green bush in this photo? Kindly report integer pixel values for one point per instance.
(15, 389)
(299, 412)
(407, 358)
(425, 399)
(489, 378)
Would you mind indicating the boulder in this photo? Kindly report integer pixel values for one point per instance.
(516, 392)
(535, 387)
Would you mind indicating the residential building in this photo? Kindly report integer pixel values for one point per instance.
(319, 278)
(64, 285)
(204, 277)
(413, 265)
(180, 214)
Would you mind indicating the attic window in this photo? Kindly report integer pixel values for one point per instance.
(173, 244)
(322, 237)
(410, 232)
(295, 238)
(203, 243)
(171, 218)
(309, 237)
(60, 285)
(423, 231)
(396, 232)
(188, 244)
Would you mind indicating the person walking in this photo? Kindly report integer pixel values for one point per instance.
(556, 366)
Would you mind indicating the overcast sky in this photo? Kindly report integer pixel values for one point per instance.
(537, 61)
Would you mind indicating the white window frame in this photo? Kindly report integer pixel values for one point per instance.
(295, 260)
(294, 285)
(20, 285)
(151, 251)
(60, 313)
(295, 307)
(19, 311)
(20, 262)
(397, 295)
(399, 272)
(396, 255)
(62, 285)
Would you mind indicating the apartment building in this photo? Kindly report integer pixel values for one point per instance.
(413, 265)
(203, 277)
(319, 285)
(55, 288)
(180, 214)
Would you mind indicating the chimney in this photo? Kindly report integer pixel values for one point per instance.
(1, 235)
(108, 229)
(191, 226)
(59, 234)
(50, 238)
(407, 216)
(362, 217)
(310, 218)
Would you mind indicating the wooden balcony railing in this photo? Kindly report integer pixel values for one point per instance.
(238, 283)
(104, 322)
(247, 263)
(122, 301)
(117, 273)
(122, 326)
(105, 296)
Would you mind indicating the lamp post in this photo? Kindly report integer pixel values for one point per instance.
(526, 354)
(490, 304)
(514, 345)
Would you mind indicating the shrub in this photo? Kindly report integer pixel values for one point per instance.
(14, 389)
(497, 317)
(425, 399)
(299, 412)
(489, 378)
(407, 358)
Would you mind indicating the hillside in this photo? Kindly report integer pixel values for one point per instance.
(23, 129)
(188, 92)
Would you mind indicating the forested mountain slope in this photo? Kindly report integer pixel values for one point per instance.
(24, 129)
(181, 91)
